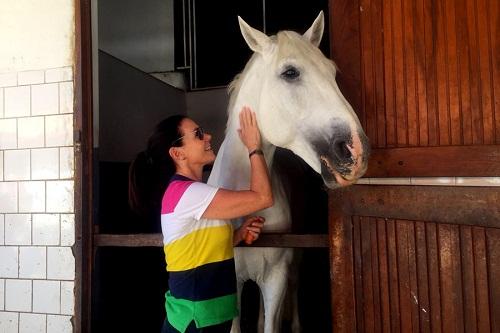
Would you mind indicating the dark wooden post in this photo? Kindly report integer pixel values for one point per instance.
(341, 263)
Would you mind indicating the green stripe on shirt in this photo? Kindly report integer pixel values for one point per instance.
(180, 312)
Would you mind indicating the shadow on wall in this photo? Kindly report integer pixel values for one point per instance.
(209, 109)
(131, 103)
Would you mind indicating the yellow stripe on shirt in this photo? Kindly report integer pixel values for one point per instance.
(200, 247)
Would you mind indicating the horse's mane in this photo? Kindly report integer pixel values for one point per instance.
(235, 85)
(234, 88)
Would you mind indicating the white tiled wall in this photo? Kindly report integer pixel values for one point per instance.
(46, 229)
(18, 295)
(2, 229)
(17, 101)
(9, 322)
(37, 267)
(2, 294)
(1, 102)
(32, 323)
(18, 229)
(1, 165)
(8, 79)
(45, 99)
(17, 164)
(8, 133)
(58, 324)
(31, 132)
(30, 77)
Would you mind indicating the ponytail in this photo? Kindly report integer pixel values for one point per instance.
(151, 170)
(139, 184)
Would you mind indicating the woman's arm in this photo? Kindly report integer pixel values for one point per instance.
(232, 204)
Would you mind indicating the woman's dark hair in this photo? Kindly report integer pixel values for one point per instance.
(151, 170)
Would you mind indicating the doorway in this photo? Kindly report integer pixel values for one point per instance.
(126, 281)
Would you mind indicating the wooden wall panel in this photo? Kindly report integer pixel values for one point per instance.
(344, 32)
(428, 70)
(414, 276)
(481, 279)
(472, 161)
(492, 17)
(469, 297)
(433, 269)
(424, 78)
(493, 262)
(395, 313)
(425, 60)
(422, 275)
(422, 259)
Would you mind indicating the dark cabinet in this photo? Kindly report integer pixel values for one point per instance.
(209, 45)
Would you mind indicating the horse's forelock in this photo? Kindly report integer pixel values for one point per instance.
(289, 42)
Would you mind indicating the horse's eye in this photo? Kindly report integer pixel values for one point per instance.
(291, 74)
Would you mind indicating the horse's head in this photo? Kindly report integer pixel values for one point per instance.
(299, 105)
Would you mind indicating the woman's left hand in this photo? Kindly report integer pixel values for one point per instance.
(250, 229)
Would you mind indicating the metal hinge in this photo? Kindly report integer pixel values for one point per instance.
(78, 141)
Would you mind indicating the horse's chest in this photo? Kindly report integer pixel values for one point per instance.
(259, 263)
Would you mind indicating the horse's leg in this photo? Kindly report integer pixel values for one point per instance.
(260, 323)
(273, 293)
(236, 321)
(293, 290)
(295, 309)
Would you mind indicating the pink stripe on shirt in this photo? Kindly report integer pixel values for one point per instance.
(173, 194)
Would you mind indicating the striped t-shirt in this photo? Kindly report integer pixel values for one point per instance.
(199, 256)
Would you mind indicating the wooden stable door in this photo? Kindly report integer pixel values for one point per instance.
(424, 77)
(432, 267)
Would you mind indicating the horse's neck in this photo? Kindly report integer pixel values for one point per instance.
(231, 169)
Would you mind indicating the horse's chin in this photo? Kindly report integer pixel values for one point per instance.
(331, 177)
(336, 181)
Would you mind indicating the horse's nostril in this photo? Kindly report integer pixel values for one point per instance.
(342, 151)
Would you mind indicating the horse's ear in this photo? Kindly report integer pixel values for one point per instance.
(315, 32)
(256, 40)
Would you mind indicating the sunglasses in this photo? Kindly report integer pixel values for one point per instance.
(198, 133)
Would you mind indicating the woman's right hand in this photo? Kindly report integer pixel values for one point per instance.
(249, 130)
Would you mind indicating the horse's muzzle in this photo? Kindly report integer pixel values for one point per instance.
(345, 160)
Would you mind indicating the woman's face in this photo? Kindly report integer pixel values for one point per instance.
(197, 151)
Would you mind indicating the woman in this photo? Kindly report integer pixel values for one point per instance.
(198, 238)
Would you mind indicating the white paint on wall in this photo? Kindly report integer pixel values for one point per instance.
(36, 34)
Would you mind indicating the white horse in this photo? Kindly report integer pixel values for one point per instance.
(291, 86)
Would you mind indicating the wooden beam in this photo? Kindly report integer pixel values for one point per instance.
(341, 264)
(265, 240)
(83, 133)
(453, 161)
(476, 206)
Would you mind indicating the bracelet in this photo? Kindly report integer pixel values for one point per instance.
(256, 151)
